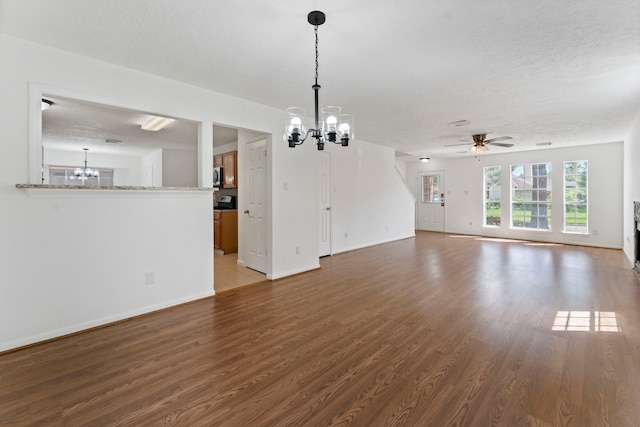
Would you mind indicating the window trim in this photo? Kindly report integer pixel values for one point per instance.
(549, 203)
(485, 200)
(564, 200)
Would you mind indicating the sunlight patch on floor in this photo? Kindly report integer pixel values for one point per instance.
(586, 321)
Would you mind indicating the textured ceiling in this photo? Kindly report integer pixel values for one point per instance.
(540, 71)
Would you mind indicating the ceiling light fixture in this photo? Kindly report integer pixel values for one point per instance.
(424, 159)
(478, 148)
(46, 104)
(155, 123)
(86, 172)
(334, 127)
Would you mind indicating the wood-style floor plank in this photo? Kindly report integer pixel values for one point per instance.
(438, 330)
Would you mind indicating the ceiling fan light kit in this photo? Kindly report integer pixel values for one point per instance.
(480, 142)
(334, 127)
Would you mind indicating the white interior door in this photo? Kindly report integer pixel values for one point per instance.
(255, 236)
(430, 201)
(325, 203)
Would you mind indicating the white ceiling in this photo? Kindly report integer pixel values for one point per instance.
(566, 72)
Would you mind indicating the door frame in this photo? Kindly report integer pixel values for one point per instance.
(441, 199)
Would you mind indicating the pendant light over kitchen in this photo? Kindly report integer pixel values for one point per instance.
(334, 126)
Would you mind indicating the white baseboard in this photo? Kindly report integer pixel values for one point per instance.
(60, 332)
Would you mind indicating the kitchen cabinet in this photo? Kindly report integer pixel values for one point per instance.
(217, 160)
(229, 169)
(225, 230)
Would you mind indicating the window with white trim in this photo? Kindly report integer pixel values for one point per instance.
(576, 215)
(531, 196)
(492, 196)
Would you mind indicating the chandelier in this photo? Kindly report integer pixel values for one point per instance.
(334, 126)
(86, 172)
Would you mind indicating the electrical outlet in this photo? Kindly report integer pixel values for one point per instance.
(149, 278)
(298, 250)
(346, 234)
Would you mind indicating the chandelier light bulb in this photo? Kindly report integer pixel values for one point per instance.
(332, 122)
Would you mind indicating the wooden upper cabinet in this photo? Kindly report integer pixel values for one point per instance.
(217, 161)
(229, 169)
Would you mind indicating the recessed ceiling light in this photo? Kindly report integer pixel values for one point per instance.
(460, 123)
(46, 104)
(155, 123)
(113, 141)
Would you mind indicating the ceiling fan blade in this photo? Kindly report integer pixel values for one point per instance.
(455, 145)
(500, 138)
(501, 144)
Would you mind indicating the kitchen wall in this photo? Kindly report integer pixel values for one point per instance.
(464, 193)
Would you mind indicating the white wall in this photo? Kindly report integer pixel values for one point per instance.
(464, 181)
(179, 168)
(631, 184)
(152, 169)
(84, 260)
(370, 202)
(32, 227)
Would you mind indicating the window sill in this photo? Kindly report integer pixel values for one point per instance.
(576, 233)
(530, 229)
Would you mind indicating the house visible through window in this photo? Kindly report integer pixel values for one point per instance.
(69, 175)
(531, 196)
(575, 197)
(492, 194)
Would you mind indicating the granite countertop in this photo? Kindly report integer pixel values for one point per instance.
(112, 187)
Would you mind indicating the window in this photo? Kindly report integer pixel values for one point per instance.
(492, 194)
(430, 189)
(575, 197)
(66, 175)
(531, 196)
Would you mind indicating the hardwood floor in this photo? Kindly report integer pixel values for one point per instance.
(440, 330)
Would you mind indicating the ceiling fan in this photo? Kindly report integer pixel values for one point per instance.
(480, 143)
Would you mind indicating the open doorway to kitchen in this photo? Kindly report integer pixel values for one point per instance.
(232, 199)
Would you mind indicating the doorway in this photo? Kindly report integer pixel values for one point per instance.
(325, 203)
(230, 268)
(431, 204)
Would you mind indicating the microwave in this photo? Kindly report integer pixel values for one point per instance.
(217, 177)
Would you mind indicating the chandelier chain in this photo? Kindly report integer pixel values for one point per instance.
(316, 31)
